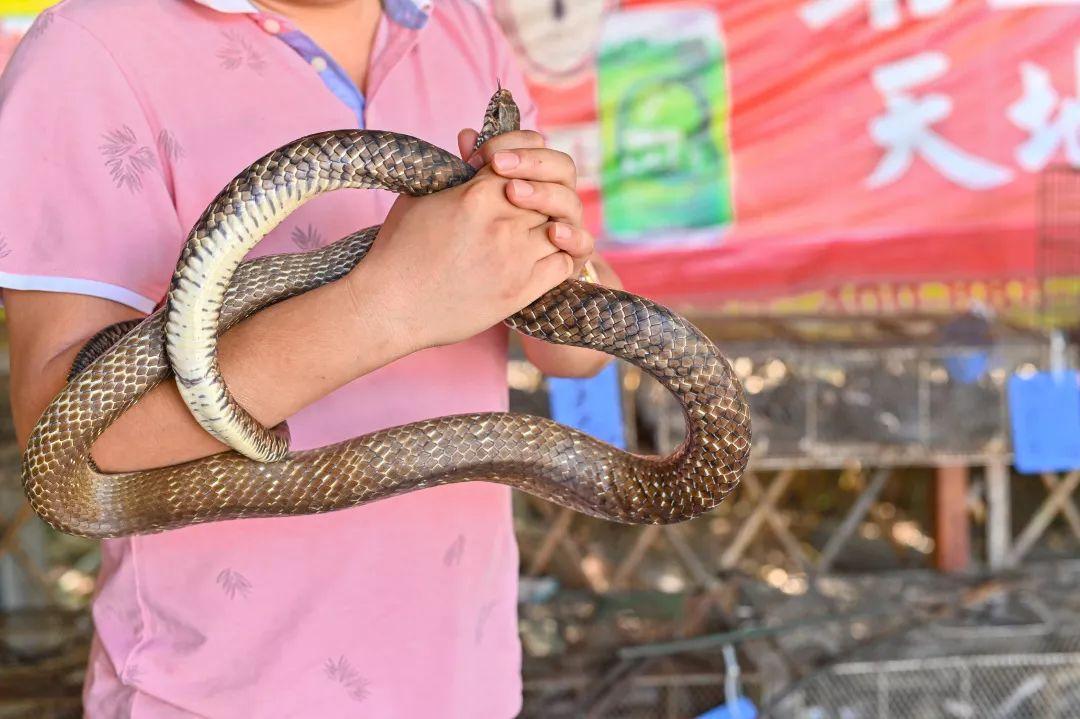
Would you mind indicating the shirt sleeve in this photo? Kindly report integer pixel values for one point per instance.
(85, 206)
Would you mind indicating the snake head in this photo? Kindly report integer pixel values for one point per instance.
(502, 116)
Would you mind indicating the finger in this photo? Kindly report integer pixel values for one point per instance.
(539, 164)
(538, 244)
(509, 141)
(558, 202)
(574, 241)
(466, 142)
(486, 193)
(549, 272)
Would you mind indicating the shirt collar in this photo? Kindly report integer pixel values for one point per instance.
(413, 14)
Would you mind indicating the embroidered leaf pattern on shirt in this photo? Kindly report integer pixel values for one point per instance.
(168, 145)
(128, 619)
(233, 583)
(125, 159)
(455, 551)
(238, 52)
(4, 249)
(306, 238)
(482, 620)
(340, 670)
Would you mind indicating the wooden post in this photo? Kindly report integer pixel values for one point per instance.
(998, 516)
(952, 535)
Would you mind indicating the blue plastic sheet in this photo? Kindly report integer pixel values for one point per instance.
(1044, 410)
(593, 405)
(743, 708)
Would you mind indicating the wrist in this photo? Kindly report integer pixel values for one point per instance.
(379, 308)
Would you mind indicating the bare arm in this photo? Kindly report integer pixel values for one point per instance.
(444, 268)
(304, 348)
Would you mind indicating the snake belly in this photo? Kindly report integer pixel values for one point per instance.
(533, 454)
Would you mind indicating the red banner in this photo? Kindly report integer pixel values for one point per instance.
(805, 156)
(829, 155)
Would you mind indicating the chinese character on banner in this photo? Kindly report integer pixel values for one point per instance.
(904, 131)
(1049, 120)
(883, 14)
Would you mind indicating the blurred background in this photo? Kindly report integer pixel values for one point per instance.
(873, 207)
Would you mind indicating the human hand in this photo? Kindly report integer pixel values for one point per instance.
(552, 177)
(542, 180)
(450, 265)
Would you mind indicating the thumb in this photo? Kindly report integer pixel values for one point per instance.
(466, 140)
(548, 273)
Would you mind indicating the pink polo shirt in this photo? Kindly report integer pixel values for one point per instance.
(119, 122)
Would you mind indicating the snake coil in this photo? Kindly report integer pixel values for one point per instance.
(530, 453)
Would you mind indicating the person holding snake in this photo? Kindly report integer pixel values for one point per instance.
(120, 121)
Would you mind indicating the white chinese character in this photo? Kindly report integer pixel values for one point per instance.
(904, 131)
(1034, 112)
(884, 14)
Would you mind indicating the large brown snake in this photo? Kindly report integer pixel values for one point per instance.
(533, 454)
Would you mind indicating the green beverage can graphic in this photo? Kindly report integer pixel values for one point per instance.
(663, 106)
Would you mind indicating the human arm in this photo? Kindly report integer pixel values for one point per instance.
(443, 268)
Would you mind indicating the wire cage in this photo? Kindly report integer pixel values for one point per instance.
(1006, 685)
(914, 644)
(826, 406)
(650, 696)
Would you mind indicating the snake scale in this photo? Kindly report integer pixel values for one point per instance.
(530, 453)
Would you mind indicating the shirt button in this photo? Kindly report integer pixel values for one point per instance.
(272, 26)
(319, 63)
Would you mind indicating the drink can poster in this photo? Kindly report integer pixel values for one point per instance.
(811, 156)
(662, 105)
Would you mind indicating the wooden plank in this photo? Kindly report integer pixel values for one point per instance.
(779, 527)
(752, 525)
(697, 568)
(552, 539)
(646, 536)
(598, 584)
(1042, 518)
(952, 533)
(1072, 516)
(777, 524)
(998, 515)
(854, 516)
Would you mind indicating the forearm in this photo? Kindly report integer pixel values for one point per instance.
(561, 360)
(276, 362)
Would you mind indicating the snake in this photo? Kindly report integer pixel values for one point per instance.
(214, 288)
